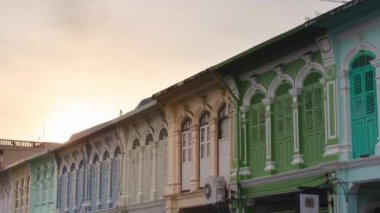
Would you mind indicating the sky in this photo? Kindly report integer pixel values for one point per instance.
(67, 65)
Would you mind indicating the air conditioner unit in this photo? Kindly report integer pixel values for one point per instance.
(215, 190)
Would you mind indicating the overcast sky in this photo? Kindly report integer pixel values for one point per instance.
(66, 65)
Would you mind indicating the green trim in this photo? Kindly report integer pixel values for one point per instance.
(284, 186)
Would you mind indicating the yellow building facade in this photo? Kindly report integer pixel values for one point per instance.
(198, 116)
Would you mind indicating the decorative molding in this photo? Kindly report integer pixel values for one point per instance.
(230, 82)
(281, 77)
(309, 172)
(245, 171)
(297, 159)
(350, 55)
(282, 60)
(336, 149)
(269, 166)
(331, 85)
(305, 71)
(327, 51)
(375, 63)
(252, 90)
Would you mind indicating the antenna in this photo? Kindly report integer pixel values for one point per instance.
(336, 1)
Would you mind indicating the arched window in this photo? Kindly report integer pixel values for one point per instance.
(136, 143)
(312, 128)
(149, 139)
(64, 170)
(204, 148)
(106, 155)
(363, 105)
(283, 128)
(186, 154)
(95, 159)
(223, 122)
(117, 152)
(163, 134)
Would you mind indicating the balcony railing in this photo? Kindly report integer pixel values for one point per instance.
(17, 143)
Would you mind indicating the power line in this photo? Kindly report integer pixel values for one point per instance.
(336, 1)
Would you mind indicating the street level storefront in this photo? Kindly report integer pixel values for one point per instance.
(286, 194)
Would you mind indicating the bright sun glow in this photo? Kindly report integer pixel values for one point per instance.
(71, 119)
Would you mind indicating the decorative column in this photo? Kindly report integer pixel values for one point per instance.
(153, 191)
(345, 144)
(297, 157)
(376, 64)
(176, 147)
(127, 178)
(122, 199)
(108, 180)
(244, 169)
(213, 146)
(66, 181)
(269, 164)
(194, 180)
(140, 175)
(74, 188)
(98, 166)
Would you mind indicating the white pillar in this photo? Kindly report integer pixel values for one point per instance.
(108, 180)
(376, 64)
(269, 164)
(345, 143)
(297, 156)
(140, 175)
(153, 191)
(194, 181)
(214, 147)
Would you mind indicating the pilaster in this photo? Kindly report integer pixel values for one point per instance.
(376, 64)
(194, 180)
(153, 191)
(213, 146)
(269, 164)
(297, 156)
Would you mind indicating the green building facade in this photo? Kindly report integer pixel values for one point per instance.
(43, 191)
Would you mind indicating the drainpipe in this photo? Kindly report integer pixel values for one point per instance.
(237, 136)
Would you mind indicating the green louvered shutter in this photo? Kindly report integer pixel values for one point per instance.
(283, 132)
(312, 123)
(363, 107)
(256, 134)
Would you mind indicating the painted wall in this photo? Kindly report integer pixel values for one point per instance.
(144, 139)
(43, 184)
(20, 188)
(184, 145)
(5, 192)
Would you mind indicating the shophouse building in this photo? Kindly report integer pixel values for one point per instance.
(144, 133)
(198, 170)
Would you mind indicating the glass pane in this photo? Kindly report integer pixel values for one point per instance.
(202, 150)
(208, 149)
(208, 133)
(184, 155)
(189, 154)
